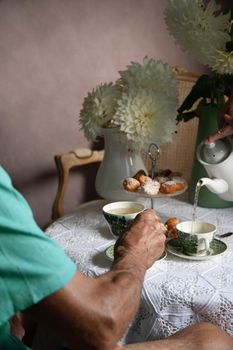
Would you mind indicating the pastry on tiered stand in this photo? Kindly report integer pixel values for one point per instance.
(150, 187)
(166, 182)
(131, 184)
(168, 187)
(142, 183)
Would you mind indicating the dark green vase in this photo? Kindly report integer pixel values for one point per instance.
(207, 125)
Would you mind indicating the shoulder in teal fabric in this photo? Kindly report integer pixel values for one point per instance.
(32, 266)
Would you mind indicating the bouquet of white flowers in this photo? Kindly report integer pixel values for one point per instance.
(142, 104)
(206, 34)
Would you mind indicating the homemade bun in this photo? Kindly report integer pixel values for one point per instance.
(162, 179)
(180, 186)
(168, 187)
(141, 176)
(171, 227)
(180, 183)
(166, 182)
(150, 187)
(165, 172)
(130, 184)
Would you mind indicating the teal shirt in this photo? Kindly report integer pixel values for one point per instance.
(32, 266)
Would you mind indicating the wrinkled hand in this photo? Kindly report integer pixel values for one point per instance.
(225, 122)
(144, 241)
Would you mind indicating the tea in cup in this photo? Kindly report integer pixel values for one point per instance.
(195, 237)
(120, 214)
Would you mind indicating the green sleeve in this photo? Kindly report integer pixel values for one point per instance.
(32, 266)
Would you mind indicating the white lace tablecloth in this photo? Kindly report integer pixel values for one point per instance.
(176, 292)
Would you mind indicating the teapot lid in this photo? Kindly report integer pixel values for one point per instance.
(215, 152)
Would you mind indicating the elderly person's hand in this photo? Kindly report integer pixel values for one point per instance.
(143, 242)
(225, 122)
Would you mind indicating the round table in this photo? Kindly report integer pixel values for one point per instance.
(177, 292)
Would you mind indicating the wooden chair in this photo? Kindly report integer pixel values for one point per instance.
(177, 155)
(65, 162)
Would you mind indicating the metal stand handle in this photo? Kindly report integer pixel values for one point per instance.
(154, 154)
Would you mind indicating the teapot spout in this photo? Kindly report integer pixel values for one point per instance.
(215, 185)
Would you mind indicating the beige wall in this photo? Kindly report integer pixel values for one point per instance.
(52, 53)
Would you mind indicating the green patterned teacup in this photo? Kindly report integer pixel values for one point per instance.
(196, 237)
(120, 214)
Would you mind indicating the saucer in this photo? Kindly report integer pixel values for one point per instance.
(109, 252)
(217, 248)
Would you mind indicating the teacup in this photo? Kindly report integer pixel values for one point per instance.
(196, 237)
(120, 214)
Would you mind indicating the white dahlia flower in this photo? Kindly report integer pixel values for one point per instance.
(223, 64)
(202, 31)
(145, 117)
(142, 104)
(150, 75)
(98, 109)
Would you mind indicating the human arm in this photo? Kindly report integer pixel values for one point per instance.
(93, 313)
(89, 313)
(225, 122)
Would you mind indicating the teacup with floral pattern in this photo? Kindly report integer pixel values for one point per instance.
(196, 237)
(120, 214)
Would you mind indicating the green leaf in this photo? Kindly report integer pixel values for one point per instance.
(212, 87)
(202, 89)
(186, 116)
